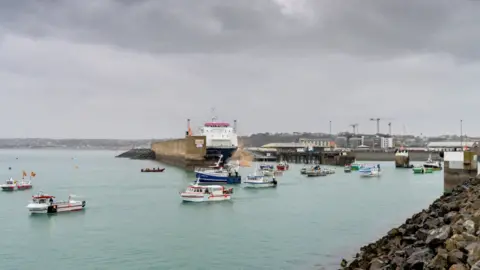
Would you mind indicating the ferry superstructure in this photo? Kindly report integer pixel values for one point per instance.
(221, 139)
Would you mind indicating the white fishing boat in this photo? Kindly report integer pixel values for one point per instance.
(46, 204)
(434, 165)
(370, 171)
(316, 171)
(206, 193)
(260, 181)
(329, 170)
(10, 185)
(22, 185)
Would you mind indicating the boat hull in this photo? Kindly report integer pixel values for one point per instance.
(24, 187)
(152, 171)
(215, 152)
(259, 185)
(56, 208)
(9, 187)
(186, 197)
(369, 174)
(210, 178)
(316, 174)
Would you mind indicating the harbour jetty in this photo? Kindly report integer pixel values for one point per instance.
(138, 153)
(444, 236)
(187, 153)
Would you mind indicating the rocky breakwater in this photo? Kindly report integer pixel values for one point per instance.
(444, 236)
(138, 153)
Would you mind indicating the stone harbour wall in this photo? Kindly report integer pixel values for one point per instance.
(444, 236)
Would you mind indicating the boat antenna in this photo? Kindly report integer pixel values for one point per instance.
(214, 117)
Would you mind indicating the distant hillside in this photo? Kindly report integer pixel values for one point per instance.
(37, 143)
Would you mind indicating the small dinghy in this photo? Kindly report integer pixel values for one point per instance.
(152, 170)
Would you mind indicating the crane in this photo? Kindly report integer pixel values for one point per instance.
(354, 126)
(378, 122)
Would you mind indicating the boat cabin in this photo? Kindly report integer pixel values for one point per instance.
(254, 177)
(214, 189)
(10, 182)
(42, 198)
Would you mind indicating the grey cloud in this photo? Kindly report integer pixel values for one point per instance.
(138, 69)
(358, 27)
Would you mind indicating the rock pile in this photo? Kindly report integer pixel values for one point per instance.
(444, 236)
(138, 153)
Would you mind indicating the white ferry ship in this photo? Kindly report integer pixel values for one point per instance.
(221, 139)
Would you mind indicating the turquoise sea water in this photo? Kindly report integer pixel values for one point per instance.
(136, 220)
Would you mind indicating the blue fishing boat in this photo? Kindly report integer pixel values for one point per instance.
(218, 174)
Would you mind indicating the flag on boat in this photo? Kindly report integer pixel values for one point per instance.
(33, 174)
(24, 174)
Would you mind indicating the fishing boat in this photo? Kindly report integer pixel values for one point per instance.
(316, 171)
(260, 181)
(347, 168)
(421, 170)
(282, 166)
(329, 170)
(22, 185)
(434, 165)
(152, 170)
(10, 185)
(218, 174)
(206, 193)
(355, 166)
(370, 171)
(267, 167)
(46, 204)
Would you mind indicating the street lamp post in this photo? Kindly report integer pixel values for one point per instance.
(330, 125)
(461, 133)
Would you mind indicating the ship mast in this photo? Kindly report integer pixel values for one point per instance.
(214, 117)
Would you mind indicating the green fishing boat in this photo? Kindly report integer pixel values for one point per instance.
(355, 166)
(421, 170)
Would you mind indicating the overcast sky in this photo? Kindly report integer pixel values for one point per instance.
(139, 69)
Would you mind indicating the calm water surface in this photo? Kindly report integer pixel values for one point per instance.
(137, 221)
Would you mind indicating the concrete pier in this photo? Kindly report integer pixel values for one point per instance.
(458, 167)
(186, 153)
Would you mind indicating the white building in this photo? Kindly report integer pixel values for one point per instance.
(386, 142)
(449, 146)
(317, 142)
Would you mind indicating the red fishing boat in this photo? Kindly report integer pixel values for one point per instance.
(282, 166)
(153, 170)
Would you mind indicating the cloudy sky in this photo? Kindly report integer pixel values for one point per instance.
(139, 68)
